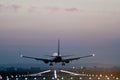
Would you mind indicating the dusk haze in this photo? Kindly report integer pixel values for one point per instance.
(83, 27)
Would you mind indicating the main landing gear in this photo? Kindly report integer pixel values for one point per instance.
(63, 64)
(51, 64)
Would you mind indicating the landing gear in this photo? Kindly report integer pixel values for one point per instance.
(63, 64)
(51, 64)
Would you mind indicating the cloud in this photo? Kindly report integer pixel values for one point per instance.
(72, 10)
(53, 8)
(38, 9)
(111, 12)
(58, 9)
(33, 9)
(1, 5)
(12, 7)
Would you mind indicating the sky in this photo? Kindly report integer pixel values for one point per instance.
(83, 26)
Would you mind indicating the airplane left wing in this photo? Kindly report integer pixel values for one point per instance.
(41, 59)
(71, 59)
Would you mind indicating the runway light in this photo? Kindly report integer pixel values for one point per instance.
(44, 78)
(80, 78)
(62, 78)
(81, 67)
(0, 77)
(19, 75)
(92, 75)
(100, 75)
(89, 74)
(71, 78)
(90, 78)
(96, 75)
(16, 78)
(111, 75)
(117, 78)
(53, 78)
(108, 78)
(73, 67)
(26, 78)
(11, 76)
(83, 72)
(35, 78)
(7, 78)
(98, 78)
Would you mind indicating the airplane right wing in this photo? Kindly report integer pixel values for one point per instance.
(39, 59)
(71, 59)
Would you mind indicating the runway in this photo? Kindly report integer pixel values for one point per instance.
(61, 75)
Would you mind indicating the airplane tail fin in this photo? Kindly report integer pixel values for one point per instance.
(58, 47)
(19, 52)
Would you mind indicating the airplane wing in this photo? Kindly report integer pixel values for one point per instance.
(41, 59)
(71, 59)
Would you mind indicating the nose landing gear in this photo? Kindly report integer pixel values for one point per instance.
(63, 64)
(51, 64)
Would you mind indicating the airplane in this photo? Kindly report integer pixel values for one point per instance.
(57, 58)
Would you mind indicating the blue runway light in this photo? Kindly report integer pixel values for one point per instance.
(44, 78)
(35, 78)
(53, 78)
(7, 78)
(26, 78)
(62, 78)
(16, 78)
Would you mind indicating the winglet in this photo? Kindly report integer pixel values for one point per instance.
(21, 55)
(93, 54)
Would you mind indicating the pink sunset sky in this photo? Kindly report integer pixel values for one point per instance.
(25, 22)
